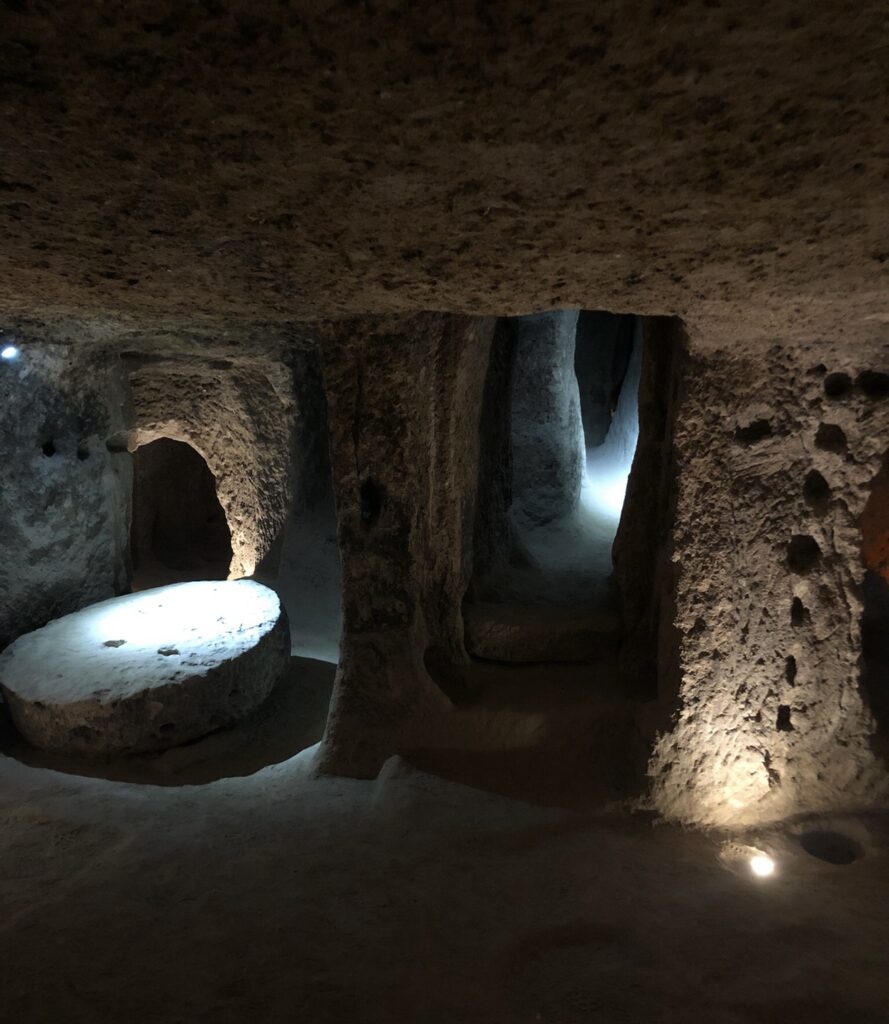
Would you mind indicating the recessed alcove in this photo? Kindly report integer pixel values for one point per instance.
(179, 528)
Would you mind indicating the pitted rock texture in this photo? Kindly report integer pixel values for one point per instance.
(147, 671)
(770, 718)
(238, 166)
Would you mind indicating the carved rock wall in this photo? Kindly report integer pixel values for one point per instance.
(404, 402)
(775, 461)
(238, 414)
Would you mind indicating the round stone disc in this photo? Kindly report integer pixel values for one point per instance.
(147, 671)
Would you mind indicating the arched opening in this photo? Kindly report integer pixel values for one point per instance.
(179, 529)
(875, 617)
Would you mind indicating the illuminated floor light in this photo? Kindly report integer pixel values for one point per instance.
(9, 352)
(762, 865)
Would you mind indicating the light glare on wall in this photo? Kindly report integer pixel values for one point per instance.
(605, 495)
(762, 865)
(608, 465)
(9, 352)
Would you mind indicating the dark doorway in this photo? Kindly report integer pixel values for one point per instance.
(179, 529)
(875, 617)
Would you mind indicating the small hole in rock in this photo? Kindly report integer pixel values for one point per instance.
(799, 613)
(750, 433)
(83, 451)
(816, 491)
(48, 449)
(831, 438)
(837, 384)
(167, 727)
(790, 669)
(832, 847)
(167, 651)
(117, 443)
(371, 501)
(114, 643)
(784, 724)
(803, 553)
(873, 383)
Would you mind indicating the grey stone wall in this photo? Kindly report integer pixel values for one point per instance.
(64, 497)
(547, 432)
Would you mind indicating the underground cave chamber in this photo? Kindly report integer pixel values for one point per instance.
(254, 533)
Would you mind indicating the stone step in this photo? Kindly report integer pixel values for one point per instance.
(521, 633)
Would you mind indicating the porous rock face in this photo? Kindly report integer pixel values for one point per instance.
(64, 498)
(241, 165)
(770, 718)
(739, 569)
(147, 671)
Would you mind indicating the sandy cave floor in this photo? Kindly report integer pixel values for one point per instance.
(277, 896)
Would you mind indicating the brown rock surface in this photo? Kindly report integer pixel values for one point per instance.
(234, 167)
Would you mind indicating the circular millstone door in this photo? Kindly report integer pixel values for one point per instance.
(147, 671)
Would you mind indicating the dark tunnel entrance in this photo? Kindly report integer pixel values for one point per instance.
(179, 529)
(875, 615)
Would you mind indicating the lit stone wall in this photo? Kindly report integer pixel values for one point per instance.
(776, 455)
(239, 416)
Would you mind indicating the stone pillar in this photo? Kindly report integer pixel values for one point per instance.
(404, 398)
(776, 451)
(642, 565)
